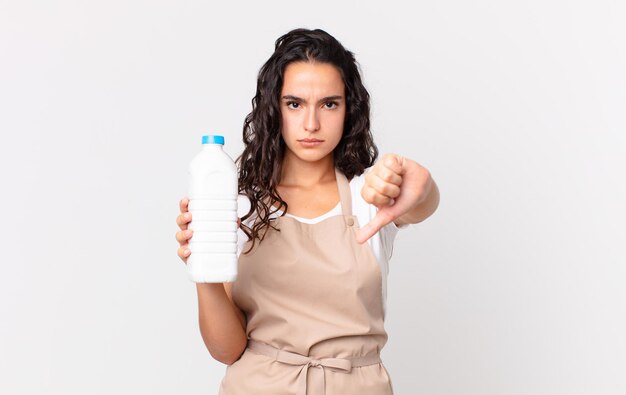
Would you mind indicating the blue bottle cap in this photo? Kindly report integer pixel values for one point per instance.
(213, 139)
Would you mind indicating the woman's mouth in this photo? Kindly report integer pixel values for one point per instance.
(310, 142)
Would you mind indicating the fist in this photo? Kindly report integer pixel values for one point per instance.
(395, 185)
(383, 181)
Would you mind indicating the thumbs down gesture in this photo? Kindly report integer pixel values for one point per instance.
(402, 191)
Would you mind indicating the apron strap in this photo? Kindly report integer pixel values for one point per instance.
(344, 196)
(318, 382)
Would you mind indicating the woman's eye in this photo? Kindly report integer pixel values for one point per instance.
(292, 104)
(331, 104)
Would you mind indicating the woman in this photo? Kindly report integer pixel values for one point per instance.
(306, 313)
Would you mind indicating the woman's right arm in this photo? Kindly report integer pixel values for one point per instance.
(222, 323)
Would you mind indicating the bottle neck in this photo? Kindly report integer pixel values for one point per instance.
(212, 146)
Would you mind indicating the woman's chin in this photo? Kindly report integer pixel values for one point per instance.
(313, 157)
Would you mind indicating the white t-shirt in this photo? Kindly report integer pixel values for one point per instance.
(381, 243)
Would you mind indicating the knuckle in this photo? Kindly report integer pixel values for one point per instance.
(389, 160)
(387, 176)
(383, 188)
(181, 252)
(384, 175)
(382, 185)
(392, 189)
(367, 194)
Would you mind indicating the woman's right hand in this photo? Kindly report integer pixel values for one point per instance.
(184, 234)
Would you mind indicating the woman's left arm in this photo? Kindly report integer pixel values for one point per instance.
(403, 191)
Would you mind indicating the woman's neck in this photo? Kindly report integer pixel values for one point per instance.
(296, 172)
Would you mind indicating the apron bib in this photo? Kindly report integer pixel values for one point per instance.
(313, 300)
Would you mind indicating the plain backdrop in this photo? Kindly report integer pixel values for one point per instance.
(516, 285)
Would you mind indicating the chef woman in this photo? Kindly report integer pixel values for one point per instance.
(318, 217)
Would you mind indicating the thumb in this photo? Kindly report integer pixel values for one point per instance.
(382, 218)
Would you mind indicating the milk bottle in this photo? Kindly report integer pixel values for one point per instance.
(213, 207)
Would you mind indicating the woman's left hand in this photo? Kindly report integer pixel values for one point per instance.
(396, 186)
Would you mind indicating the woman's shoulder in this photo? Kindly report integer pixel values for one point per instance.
(243, 206)
(360, 207)
(356, 184)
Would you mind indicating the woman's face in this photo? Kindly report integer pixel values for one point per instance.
(313, 109)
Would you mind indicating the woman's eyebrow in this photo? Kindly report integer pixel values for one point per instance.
(299, 99)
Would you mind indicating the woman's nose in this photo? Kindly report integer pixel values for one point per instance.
(311, 123)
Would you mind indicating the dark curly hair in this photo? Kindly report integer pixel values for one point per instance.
(260, 163)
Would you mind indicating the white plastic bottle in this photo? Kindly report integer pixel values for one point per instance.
(213, 207)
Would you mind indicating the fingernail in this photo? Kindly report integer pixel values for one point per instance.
(187, 215)
(189, 232)
(187, 252)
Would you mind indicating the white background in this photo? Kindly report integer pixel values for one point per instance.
(516, 285)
